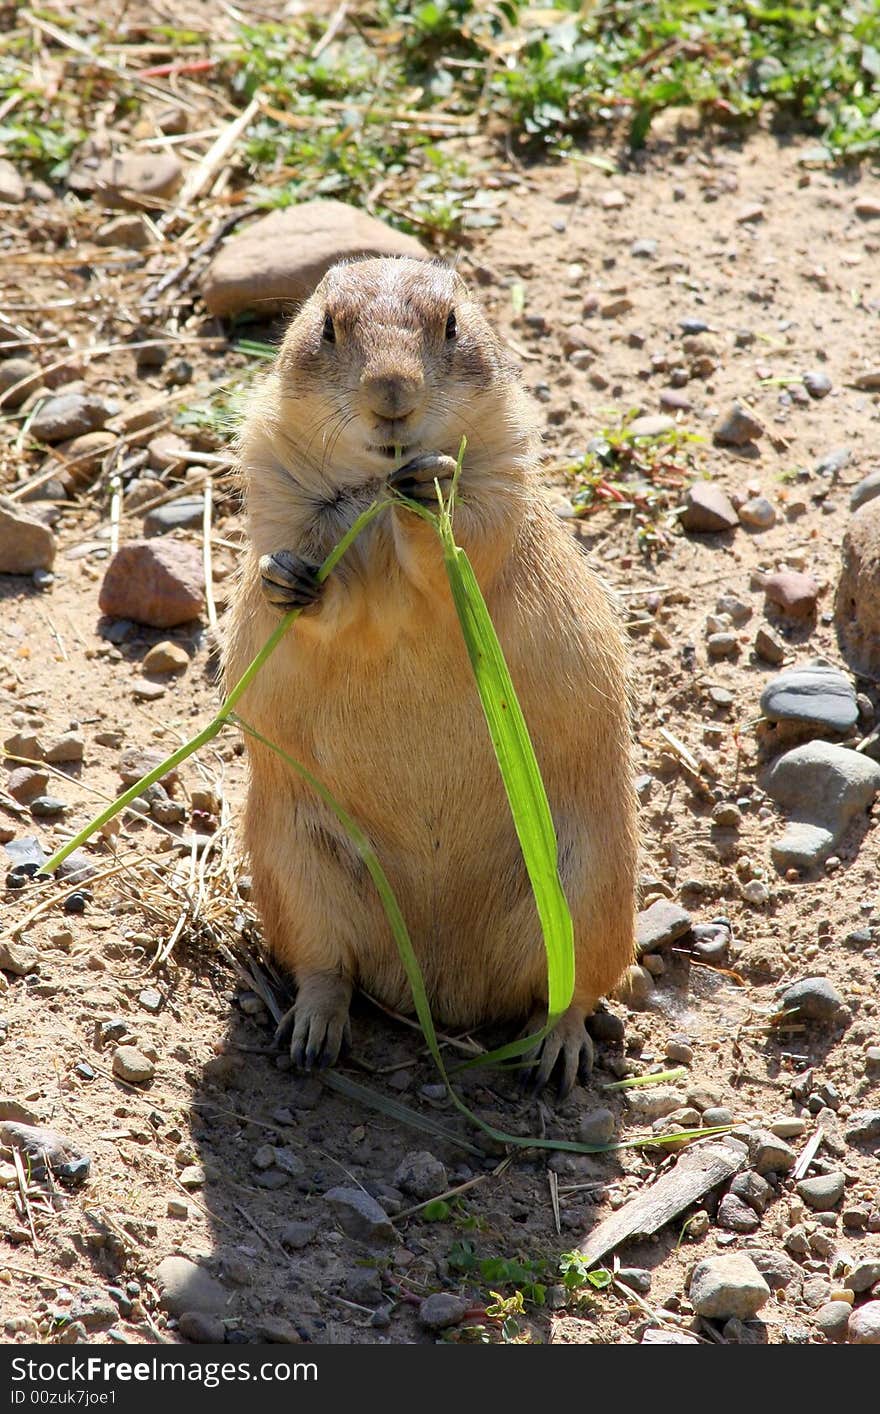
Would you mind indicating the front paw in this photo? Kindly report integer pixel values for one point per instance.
(289, 582)
(418, 479)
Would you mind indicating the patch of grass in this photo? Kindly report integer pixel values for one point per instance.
(635, 475)
(38, 131)
(407, 109)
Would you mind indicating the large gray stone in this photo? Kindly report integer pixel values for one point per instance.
(815, 695)
(359, 1215)
(184, 1286)
(278, 261)
(662, 923)
(722, 1287)
(821, 788)
(813, 998)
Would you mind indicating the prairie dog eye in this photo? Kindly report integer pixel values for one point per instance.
(328, 333)
(451, 326)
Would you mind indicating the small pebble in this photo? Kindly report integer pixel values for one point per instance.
(132, 1065)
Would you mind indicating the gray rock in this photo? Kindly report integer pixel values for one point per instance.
(823, 1192)
(777, 1268)
(727, 1286)
(596, 1127)
(280, 259)
(46, 807)
(21, 374)
(737, 427)
(832, 1318)
(813, 998)
(364, 1285)
(69, 415)
(816, 695)
(296, 1235)
(751, 1188)
(661, 1336)
(864, 1275)
(821, 788)
(817, 384)
(737, 1216)
(133, 178)
(867, 489)
(654, 1102)
(40, 1147)
(707, 509)
(716, 1115)
(26, 544)
(202, 1328)
(758, 513)
(864, 1324)
(94, 1309)
(421, 1175)
(768, 1154)
(184, 1286)
(359, 1215)
(441, 1310)
(132, 1065)
(833, 463)
(636, 1278)
(185, 513)
(862, 1127)
(659, 925)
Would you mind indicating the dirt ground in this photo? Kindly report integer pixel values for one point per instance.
(772, 257)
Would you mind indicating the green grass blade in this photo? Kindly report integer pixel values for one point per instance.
(519, 769)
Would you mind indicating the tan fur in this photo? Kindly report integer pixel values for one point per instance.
(372, 689)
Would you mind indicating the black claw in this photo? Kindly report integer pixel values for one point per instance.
(289, 582)
(415, 480)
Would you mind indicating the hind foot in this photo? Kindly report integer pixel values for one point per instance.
(318, 1020)
(567, 1047)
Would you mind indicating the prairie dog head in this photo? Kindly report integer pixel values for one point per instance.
(392, 356)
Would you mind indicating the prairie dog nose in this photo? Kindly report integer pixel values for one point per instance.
(393, 396)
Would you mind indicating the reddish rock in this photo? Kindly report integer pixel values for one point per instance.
(707, 509)
(793, 593)
(25, 784)
(280, 259)
(156, 582)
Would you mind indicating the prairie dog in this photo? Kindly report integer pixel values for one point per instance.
(372, 689)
